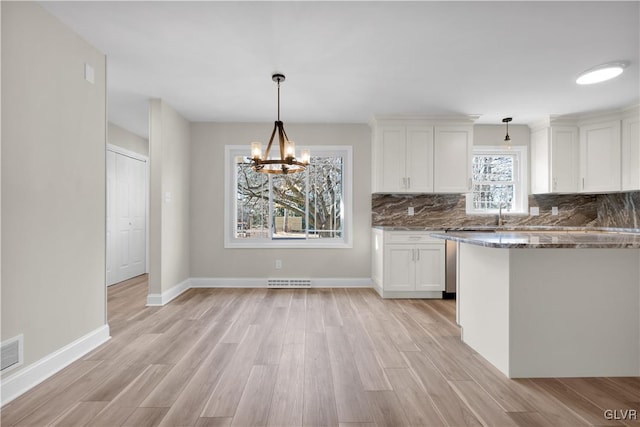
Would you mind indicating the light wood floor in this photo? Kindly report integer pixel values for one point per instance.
(247, 357)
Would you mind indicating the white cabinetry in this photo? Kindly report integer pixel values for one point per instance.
(404, 159)
(631, 153)
(453, 150)
(589, 154)
(554, 159)
(600, 161)
(421, 156)
(408, 264)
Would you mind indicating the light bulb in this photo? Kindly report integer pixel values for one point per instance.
(256, 150)
(290, 150)
(305, 156)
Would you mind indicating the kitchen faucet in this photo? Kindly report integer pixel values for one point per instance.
(500, 206)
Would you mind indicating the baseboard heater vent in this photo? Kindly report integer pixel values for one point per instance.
(289, 283)
(11, 353)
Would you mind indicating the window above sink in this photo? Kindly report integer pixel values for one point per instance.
(498, 181)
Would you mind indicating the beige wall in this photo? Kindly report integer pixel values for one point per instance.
(494, 134)
(209, 258)
(53, 182)
(127, 140)
(169, 198)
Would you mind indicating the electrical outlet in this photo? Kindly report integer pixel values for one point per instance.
(278, 264)
(554, 210)
(534, 211)
(410, 211)
(89, 73)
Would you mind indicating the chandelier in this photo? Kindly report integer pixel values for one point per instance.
(287, 163)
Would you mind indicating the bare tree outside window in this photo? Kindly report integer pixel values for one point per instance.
(306, 205)
(493, 182)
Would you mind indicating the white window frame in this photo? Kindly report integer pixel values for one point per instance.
(520, 175)
(230, 186)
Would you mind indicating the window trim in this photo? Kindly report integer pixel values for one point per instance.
(521, 159)
(230, 185)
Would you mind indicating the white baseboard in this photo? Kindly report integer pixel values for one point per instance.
(168, 295)
(359, 282)
(32, 375)
(378, 288)
(252, 282)
(235, 282)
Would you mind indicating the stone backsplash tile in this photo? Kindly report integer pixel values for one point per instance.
(618, 210)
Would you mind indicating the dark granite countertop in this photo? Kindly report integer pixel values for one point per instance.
(504, 228)
(549, 238)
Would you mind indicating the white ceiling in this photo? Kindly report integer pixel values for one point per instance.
(348, 61)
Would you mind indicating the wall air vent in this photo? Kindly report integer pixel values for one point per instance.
(289, 283)
(11, 353)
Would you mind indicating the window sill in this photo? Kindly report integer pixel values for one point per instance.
(288, 244)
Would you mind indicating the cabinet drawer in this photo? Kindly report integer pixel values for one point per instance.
(409, 237)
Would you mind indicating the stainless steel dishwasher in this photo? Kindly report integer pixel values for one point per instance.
(451, 254)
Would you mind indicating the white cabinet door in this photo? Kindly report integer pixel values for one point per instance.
(399, 267)
(390, 159)
(453, 147)
(600, 162)
(419, 159)
(564, 159)
(540, 161)
(631, 154)
(377, 257)
(430, 267)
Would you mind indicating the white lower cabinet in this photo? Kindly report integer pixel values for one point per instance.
(408, 264)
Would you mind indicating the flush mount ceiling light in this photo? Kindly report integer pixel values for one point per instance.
(287, 162)
(601, 73)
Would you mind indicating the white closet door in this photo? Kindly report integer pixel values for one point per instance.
(126, 217)
(137, 217)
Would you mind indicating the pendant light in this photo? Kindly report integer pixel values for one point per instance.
(287, 163)
(507, 138)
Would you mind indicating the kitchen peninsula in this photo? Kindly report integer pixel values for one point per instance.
(551, 303)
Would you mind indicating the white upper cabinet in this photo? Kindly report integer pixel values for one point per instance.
(453, 150)
(390, 155)
(588, 154)
(421, 156)
(403, 157)
(419, 159)
(631, 153)
(554, 159)
(600, 157)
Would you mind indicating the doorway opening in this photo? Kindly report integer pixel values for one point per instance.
(127, 215)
